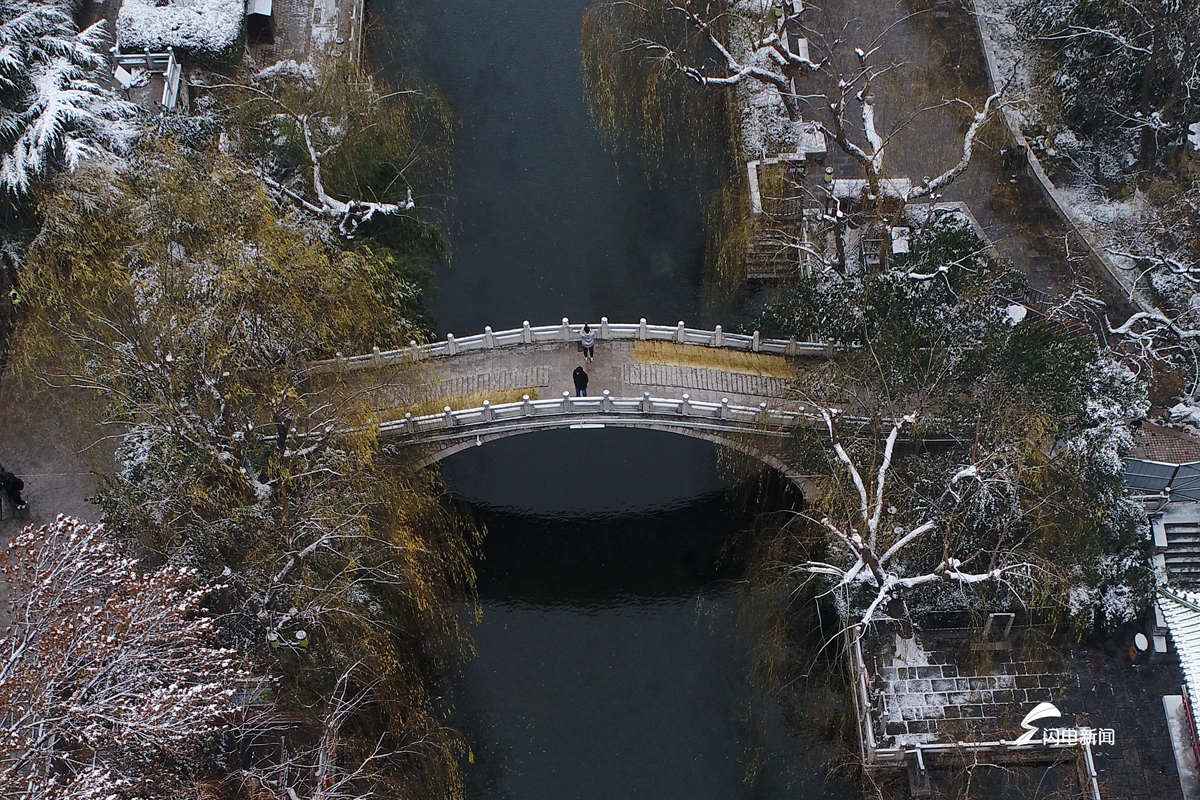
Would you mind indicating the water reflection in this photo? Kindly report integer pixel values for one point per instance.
(614, 655)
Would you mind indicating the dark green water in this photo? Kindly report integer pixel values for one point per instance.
(614, 657)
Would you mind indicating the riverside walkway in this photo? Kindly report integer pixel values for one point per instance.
(732, 389)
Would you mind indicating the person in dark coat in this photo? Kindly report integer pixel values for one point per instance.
(581, 381)
(11, 485)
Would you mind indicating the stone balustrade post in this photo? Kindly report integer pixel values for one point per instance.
(448, 416)
(685, 406)
(566, 330)
(489, 340)
(526, 333)
(566, 402)
(718, 338)
(488, 413)
(762, 413)
(526, 406)
(681, 333)
(646, 405)
(376, 357)
(605, 332)
(451, 345)
(756, 342)
(723, 411)
(409, 425)
(642, 328)
(414, 352)
(606, 403)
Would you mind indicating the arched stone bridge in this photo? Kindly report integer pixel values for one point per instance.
(736, 402)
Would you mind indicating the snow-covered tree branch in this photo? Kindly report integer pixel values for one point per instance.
(109, 675)
(53, 111)
(875, 559)
(330, 116)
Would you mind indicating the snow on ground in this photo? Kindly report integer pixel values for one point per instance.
(208, 27)
(766, 128)
(1129, 225)
(1009, 52)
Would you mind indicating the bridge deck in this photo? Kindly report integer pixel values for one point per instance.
(548, 368)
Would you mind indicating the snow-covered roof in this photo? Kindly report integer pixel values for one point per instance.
(207, 27)
(1182, 612)
(1165, 445)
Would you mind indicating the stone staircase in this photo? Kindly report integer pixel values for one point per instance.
(1182, 552)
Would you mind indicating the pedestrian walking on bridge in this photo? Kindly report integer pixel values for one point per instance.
(581, 381)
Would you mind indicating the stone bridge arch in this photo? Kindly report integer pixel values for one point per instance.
(743, 403)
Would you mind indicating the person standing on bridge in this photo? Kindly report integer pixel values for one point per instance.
(588, 340)
(581, 381)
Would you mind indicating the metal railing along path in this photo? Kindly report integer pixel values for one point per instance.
(566, 332)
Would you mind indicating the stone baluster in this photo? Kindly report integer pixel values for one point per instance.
(647, 406)
(526, 405)
(605, 332)
(566, 402)
(685, 406)
(642, 328)
(566, 330)
(448, 416)
(723, 410)
(681, 333)
(489, 340)
(718, 338)
(756, 342)
(526, 333)
(488, 413)
(606, 403)
(451, 345)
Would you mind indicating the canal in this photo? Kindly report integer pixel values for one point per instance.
(615, 653)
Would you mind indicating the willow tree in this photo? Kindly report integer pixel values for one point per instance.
(189, 303)
(337, 141)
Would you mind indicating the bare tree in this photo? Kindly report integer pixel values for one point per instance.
(760, 42)
(108, 674)
(866, 554)
(334, 766)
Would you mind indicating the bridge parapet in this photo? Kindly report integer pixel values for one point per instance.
(629, 411)
(566, 332)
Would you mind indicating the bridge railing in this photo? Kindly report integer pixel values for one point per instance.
(566, 332)
(683, 408)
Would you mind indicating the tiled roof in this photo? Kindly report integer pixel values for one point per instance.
(1155, 443)
(1182, 610)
